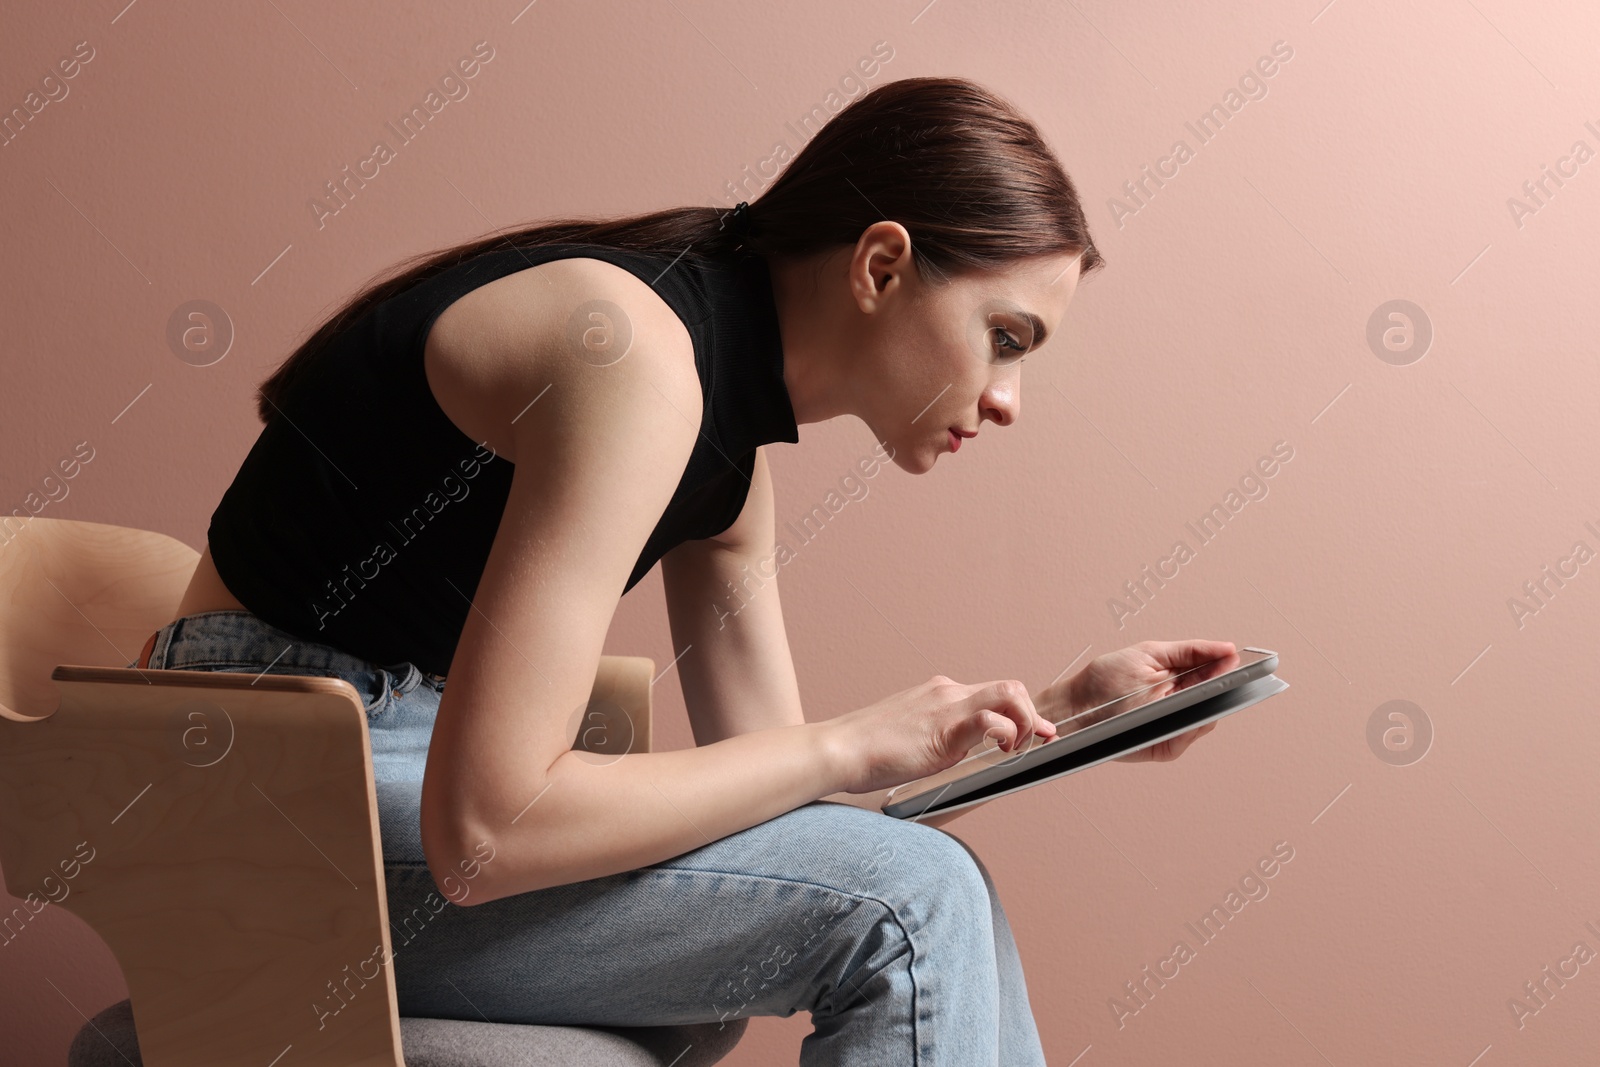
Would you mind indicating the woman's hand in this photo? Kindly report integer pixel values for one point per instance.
(929, 727)
(1128, 670)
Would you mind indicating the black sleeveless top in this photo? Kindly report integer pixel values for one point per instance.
(362, 517)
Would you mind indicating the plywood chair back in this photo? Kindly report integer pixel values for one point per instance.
(219, 831)
(80, 592)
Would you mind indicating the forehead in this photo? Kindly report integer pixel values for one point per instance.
(1046, 279)
(1042, 285)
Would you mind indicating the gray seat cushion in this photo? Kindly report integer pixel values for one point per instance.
(108, 1041)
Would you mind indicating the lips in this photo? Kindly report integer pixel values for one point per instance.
(955, 442)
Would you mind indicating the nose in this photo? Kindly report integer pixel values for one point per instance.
(1001, 403)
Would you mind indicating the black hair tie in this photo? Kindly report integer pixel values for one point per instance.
(739, 220)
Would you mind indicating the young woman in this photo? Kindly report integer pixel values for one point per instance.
(464, 469)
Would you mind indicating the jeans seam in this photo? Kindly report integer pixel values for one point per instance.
(158, 651)
(911, 968)
(403, 684)
(386, 702)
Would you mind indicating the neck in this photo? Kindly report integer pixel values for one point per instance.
(816, 371)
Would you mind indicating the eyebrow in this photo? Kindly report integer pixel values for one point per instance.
(1039, 332)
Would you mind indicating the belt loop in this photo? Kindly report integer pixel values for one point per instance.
(407, 679)
(149, 646)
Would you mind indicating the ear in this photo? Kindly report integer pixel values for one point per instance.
(880, 263)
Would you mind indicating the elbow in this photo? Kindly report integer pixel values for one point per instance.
(463, 859)
(476, 853)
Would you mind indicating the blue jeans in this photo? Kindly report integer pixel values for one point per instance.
(889, 933)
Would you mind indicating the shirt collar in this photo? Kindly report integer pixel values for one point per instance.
(749, 399)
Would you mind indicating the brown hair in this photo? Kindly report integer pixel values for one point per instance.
(959, 167)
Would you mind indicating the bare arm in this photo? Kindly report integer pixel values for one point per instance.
(1052, 704)
(1105, 678)
(735, 666)
(596, 461)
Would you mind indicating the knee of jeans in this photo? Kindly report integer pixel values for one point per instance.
(935, 916)
(983, 871)
(957, 884)
(925, 876)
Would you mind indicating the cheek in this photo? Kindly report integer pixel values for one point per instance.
(955, 361)
(969, 374)
(936, 392)
(937, 371)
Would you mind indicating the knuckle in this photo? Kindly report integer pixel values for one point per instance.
(1008, 697)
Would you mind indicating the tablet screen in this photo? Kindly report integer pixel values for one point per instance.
(1108, 717)
(1122, 705)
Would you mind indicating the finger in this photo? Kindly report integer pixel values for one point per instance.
(1009, 699)
(1170, 749)
(1043, 726)
(1183, 741)
(1182, 655)
(1176, 745)
(973, 728)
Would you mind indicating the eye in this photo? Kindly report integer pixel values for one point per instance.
(1005, 343)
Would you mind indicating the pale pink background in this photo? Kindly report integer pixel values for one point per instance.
(1233, 313)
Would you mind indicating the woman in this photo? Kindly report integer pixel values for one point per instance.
(466, 467)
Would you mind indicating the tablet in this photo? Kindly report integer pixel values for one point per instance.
(1126, 724)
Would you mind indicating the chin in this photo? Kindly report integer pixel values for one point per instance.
(902, 456)
(933, 459)
(899, 460)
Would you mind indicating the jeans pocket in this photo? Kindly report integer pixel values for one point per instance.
(399, 679)
(377, 690)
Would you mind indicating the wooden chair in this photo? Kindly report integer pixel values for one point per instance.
(222, 836)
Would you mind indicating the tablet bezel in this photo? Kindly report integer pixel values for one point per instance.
(1095, 734)
(1151, 733)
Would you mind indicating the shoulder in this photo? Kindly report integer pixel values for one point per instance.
(578, 335)
(544, 299)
